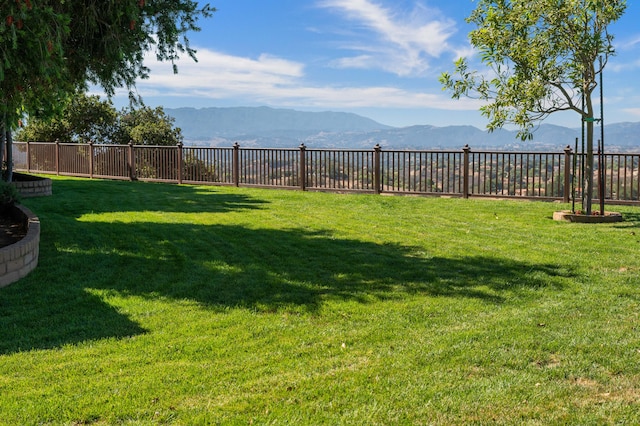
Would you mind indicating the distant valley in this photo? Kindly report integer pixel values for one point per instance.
(266, 127)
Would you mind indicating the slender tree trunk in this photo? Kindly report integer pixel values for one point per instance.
(589, 170)
(9, 145)
(588, 199)
(3, 133)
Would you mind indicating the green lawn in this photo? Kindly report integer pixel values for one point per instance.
(157, 303)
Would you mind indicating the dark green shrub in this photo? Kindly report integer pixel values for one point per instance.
(9, 195)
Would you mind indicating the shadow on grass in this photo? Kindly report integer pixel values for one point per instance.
(221, 267)
(217, 266)
(630, 220)
(122, 196)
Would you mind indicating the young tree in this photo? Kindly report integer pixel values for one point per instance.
(544, 57)
(50, 48)
(147, 126)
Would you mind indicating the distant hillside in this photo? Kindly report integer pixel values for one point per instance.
(269, 127)
(240, 122)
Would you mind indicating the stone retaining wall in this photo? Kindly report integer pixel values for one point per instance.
(32, 186)
(20, 258)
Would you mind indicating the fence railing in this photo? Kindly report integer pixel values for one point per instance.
(464, 172)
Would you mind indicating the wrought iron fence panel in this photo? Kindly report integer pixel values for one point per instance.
(37, 156)
(620, 176)
(156, 163)
(111, 161)
(20, 156)
(268, 167)
(547, 175)
(207, 165)
(74, 159)
(427, 172)
(517, 174)
(344, 170)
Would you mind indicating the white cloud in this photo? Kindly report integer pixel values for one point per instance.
(629, 43)
(616, 65)
(400, 42)
(391, 40)
(276, 81)
(225, 72)
(632, 111)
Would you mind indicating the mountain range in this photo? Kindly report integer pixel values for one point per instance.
(266, 127)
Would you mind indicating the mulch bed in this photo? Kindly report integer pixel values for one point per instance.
(11, 231)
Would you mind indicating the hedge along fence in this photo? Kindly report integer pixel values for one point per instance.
(464, 173)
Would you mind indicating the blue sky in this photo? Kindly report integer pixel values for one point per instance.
(377, 58)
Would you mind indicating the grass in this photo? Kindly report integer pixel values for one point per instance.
(171, 304)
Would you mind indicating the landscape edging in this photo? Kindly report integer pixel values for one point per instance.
(21, 257)
(32, 186)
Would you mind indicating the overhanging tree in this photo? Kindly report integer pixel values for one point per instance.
(31, 64)
(49, 49)
(543, 56)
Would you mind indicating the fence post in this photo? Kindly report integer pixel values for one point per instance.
(28, 158)
(57, 156)
(91, 152)
(465, 171)
(130, 161)
(567, 174)
(376, 168)
(180, 146)
(236, 164)
(303, 167)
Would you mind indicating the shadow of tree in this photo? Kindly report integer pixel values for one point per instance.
(70, 196)
(630, 220)
(37, 314)
(222, 266)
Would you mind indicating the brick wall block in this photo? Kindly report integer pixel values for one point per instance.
(20, 258)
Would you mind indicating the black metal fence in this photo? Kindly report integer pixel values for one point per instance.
(464, 172)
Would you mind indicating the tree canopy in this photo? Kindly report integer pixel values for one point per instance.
(50, 48)
(147, 126)
(81, 118)
(543, 56)
(84, 118)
